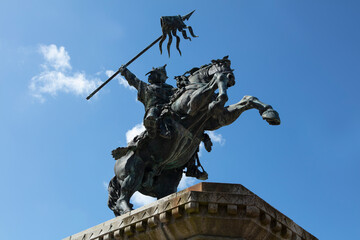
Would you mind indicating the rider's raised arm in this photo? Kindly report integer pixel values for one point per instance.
(135, 82)
(132, 79)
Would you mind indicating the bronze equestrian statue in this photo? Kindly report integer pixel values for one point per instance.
(175, 120)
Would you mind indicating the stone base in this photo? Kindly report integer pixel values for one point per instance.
(204, 211)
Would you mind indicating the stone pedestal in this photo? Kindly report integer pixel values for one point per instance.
(203, 211)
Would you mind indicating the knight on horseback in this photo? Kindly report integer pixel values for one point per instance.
(154, 164)
(154, 96)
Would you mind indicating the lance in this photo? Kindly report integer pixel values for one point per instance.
(169, 26)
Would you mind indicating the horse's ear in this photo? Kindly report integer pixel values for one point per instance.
(226, 57)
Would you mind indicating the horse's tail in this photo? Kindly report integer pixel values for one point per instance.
(114, 194)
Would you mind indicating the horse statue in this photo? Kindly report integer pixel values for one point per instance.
(154, 165)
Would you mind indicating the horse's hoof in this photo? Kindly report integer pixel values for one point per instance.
(123, 212)
(123, 206)
(271, 116)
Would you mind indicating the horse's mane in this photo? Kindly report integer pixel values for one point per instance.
(221, 61)
(182, 80)
(206, 66)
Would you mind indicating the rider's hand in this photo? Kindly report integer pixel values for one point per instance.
(122, 70)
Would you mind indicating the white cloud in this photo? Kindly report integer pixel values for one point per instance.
(55, 57)
(105, 185)
(139, 128)
(120, 79)
(201, 149)
(216, 137)
(57, 77)
(139, 199)
(186, 182)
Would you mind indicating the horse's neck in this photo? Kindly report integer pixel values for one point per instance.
(200, 76)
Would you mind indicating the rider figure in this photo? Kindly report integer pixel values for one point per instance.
(154, 96)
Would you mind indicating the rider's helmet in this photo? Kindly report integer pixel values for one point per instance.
(157, 75)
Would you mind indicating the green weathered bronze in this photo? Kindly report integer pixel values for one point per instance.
(175, 120)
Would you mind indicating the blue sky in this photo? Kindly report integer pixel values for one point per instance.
(302, 57)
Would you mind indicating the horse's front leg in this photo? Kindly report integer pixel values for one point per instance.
(201, 97)
(220, 81)
(265, 110)
(229, 114)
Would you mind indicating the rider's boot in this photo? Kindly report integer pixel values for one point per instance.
(193, 171)
(202, 175)
(123, 206)
(196, 173)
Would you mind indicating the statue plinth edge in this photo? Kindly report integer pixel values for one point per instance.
(203, 211)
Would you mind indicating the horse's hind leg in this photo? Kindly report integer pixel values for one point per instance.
(129, 173)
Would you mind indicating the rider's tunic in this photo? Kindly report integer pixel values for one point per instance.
(153, 96)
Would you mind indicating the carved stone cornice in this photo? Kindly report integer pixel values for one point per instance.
(203, 211)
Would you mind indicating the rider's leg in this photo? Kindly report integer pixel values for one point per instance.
(164, 128)
(150, 120)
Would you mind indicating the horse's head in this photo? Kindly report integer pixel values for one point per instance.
(199, 85)
(205, 73)
(222, 66)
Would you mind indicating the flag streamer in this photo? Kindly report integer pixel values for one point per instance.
(170, 25)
